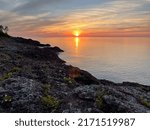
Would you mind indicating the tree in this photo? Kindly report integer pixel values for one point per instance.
(3, 29)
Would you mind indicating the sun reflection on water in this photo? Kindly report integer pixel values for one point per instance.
(77, 40)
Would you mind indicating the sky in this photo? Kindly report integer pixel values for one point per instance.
(47, 18)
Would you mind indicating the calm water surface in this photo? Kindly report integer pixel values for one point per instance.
(116, 59)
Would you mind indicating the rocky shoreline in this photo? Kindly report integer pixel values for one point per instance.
(34, 79)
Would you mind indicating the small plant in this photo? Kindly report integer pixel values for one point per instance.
(145, 102)
(99, 99)
(6, 76)
(9, 74)
(50, 101)
(14, 70)
(68, 80)
(7, 98)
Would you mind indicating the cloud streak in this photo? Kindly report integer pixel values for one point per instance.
(97, 18)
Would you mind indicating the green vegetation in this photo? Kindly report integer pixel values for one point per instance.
(46, 89)
(7, 98)
(68, 80)
(145, 102)
(50, 101)
(10, 74)
(99, 99)
(47, 100)
(14, 70)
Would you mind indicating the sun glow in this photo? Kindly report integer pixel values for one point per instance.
(76, 33)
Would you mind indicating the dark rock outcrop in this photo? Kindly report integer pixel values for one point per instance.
(34, 79)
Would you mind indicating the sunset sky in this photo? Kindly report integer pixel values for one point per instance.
(45, 18)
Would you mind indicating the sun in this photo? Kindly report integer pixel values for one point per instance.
(76, 33)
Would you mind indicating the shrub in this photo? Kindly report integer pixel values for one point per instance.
(50, 101)
(99, 99)
(7, 98)
(68, 80)
(145, 102)
(9, 74)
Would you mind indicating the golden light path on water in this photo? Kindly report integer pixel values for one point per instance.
(77, 40)
(113, 58)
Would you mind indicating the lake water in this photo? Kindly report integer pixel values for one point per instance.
(116, 59)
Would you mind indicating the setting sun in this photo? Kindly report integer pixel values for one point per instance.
(76, 33)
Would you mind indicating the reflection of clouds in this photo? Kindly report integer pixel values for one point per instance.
(108, 16)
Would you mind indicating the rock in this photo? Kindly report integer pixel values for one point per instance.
(27, 41)
(57, 49)
(81, 76)
(34, 79)
(25, 94)
(86, 92)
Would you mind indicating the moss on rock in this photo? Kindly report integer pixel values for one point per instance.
(10, 74)
(144, 102)
(50, 101)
